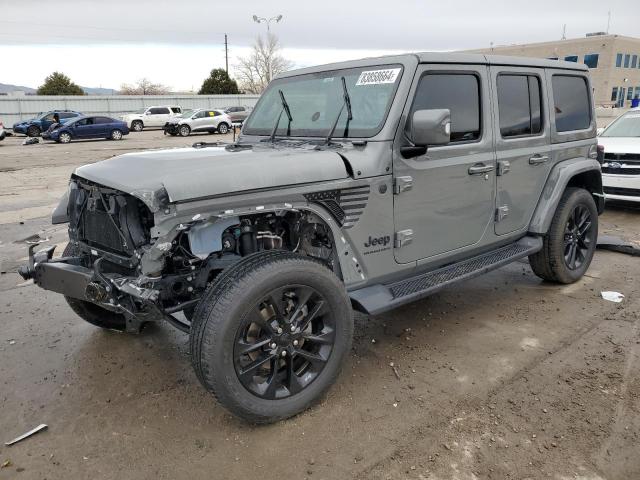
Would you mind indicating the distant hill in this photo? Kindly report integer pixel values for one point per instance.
(8, 88)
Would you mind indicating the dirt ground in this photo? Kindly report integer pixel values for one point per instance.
(501, 377)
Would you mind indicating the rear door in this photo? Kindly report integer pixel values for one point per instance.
(523, 146)
(102, 126)
(450, 205)
(157, 117)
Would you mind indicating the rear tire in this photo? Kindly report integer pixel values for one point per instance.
(223, 128)
(137, 125)
(90, 312)
(267, 304)
(33, 131)
(570, 243)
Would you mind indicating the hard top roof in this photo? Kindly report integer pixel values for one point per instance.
(444, 57)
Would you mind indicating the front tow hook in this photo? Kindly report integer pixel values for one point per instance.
(28, 271)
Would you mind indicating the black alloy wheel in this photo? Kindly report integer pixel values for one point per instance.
(284, 342)
(577, 238)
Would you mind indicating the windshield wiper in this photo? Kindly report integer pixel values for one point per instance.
(285, 109)
(346, 102)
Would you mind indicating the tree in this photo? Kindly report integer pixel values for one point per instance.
(219, 83)
(59, 84)
(144, 86)
(264, 63)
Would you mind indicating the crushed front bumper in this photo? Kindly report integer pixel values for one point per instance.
(170, 128)
(71, 277)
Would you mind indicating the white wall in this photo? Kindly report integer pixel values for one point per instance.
(13, 109)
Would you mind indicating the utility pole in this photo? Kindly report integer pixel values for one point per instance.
(226, 54)
(564, 32)
(608, 21)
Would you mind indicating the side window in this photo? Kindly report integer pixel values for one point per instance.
(460, 93)
(176, 109)
(159, 111)
(64, 115)
(201, 114)
(82, 122)
(212, 113)
(591, 60)
(571, 103)
(519, 105)
(102, 120)
(48, 118)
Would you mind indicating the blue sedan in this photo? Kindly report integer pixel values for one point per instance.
(88, 127)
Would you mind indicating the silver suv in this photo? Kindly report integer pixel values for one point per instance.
(358, 185)
(198, 120)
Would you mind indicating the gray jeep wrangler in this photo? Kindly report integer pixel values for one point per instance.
(359, 185)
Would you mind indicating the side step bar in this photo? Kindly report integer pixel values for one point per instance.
(380, 298)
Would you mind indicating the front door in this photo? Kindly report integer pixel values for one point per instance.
(522, 144)
(450, 205)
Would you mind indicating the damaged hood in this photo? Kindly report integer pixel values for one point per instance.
(192, 173)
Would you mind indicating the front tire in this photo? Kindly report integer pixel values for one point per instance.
(33, 131)
(570, 243)
(184, 130)
(269, 337)
(90, 312)
(116, 135)
(137, 125)
(64, 137)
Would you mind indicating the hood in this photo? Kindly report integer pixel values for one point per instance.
(620, 144)
(192, 173)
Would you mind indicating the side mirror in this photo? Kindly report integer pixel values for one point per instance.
(428, 127)
(147, 112)
(431, 127)
(599, 130)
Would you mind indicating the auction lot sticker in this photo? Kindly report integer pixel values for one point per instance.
(377, 77)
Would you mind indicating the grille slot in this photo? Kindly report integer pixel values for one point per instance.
(629, 192)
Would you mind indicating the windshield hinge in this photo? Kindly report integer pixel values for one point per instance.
(403, 238)
(402, 184)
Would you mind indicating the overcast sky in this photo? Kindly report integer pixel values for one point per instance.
(107, 43)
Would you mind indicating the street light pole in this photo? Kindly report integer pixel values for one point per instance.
(268, 21)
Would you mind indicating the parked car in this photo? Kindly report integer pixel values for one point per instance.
(238, 114)
(35, 126)
(621, 167)
(151, 117)
(2, 132)
(198, 120)
(366, 185)
(89, 127)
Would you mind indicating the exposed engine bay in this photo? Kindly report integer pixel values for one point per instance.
(146, 278)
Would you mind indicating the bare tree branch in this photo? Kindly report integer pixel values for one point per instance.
(144, 86)
(253, 71)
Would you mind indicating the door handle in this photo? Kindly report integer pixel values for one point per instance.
(480, 168)
(538, 159)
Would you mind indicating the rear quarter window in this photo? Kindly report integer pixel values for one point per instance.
(572, 107)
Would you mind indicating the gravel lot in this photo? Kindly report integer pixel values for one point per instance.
(500, 377)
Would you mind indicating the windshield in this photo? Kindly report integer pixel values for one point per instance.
(315, 100)
(626, 126)
(186, 113)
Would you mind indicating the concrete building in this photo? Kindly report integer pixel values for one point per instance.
(614, 62)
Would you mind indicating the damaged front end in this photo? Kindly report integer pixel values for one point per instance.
(117, 260)
(111, 259)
